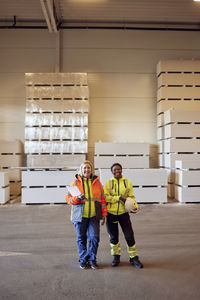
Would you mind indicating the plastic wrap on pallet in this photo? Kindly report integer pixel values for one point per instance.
(57, 109)
(45, 92)
(55, 160)
(38, 78)
(39, 106)
(54, 119)
(55, 78)
(79, 147)
(50, 133)
(55, 147)
(80, 133)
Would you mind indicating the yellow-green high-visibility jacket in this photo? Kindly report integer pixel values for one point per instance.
(115, 188)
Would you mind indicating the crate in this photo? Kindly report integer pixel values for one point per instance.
(57, 160)
(129, 155)
(187, 180)
(169, 159)
(178, 66)
(45, 186)
(4, 179)
(4, 194)
(4, 187)
(175, 116)
(122, 148)
(181, 130)
(187, 194)
(150, 195)
(43, 195)
(149, 184)
(177, 104)
(182, 145)
(127, 161)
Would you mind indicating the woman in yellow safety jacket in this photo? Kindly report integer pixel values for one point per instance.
(88, 207)
(116, 191)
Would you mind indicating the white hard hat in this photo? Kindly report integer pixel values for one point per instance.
(131, 205)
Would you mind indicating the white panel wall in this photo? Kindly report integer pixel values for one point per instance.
(121, 67)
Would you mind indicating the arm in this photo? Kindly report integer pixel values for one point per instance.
(74, 200)
(128, 192)
(108, 197)
(103, 202)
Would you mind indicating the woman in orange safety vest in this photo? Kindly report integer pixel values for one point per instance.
(88, 208)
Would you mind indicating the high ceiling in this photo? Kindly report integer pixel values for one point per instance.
(183, 14)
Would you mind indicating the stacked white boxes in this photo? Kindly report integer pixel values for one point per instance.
(187, 181)
(129, 155)
(180, 140)
(40, 186)
(56, 123)
(149, 185)
(4, 187)
(178, 109)
(11, 158)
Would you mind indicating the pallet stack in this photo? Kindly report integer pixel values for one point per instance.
(129, 155)
(56, 123)
(11, 159)
(56, 134)
(149, 185)
(178, 91)
(187, 181)
(4, 188)
(45, 186)
(179, 140)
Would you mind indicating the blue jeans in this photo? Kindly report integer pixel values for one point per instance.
(90, 227)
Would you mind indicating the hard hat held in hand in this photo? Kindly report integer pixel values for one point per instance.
(131, 205)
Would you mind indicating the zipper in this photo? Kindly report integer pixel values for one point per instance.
(89, 198)
(118, 195)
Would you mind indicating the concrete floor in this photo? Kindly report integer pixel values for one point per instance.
(38, 256)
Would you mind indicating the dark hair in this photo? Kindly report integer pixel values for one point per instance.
(115, 164)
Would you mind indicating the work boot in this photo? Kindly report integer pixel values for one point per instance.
(83, 265)
(116, 261)
(134, 261)
(93, 265)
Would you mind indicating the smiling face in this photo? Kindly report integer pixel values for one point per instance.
(86, 170)
(117, 171)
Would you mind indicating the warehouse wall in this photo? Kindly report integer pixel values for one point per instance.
(121, 66)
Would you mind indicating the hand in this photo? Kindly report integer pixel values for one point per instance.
(81, 198)
(103, 221)
(122, 199)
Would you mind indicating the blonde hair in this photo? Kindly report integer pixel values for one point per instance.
(84, 163)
